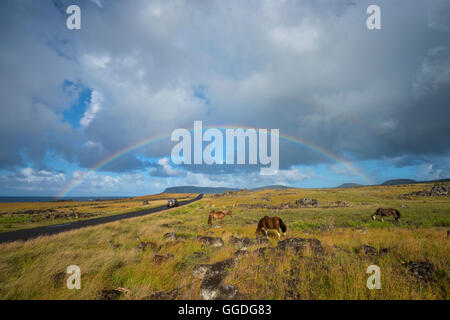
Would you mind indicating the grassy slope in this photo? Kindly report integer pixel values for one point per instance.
(28, 270)
(11, 219)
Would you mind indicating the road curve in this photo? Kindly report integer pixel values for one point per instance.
(26, 234)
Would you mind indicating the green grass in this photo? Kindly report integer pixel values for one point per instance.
(28, 269)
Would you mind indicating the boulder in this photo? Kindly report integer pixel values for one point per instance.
(300, 244)
(371, 251)
(424, 271)
(160, 258)
(147, 245)
(200, 270)
(222, 291)
(368, 250)
(211, 241)
(305, 202)
(212, 287)
(341, 203)
(291, 292)
(172, 236)
(109, 294)
(240, 253)
(240, 243)
(164, 295)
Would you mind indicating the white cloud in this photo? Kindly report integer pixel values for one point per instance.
(94, 107)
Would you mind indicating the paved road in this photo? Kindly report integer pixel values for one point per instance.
(26, 234)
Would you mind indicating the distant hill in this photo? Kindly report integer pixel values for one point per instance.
(213, 190)
(275, 186)
(398, 181)
(410, 181)
(350, 185)
(193, 189)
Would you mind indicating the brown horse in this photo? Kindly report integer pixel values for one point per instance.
(218, 215)
(271, 223)
(386, 212)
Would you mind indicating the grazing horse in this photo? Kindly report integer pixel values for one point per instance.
(218, 215)
(271, 223)
(386, 212)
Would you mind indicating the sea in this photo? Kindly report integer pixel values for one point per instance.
(47, 199)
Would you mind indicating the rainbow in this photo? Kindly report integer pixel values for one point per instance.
(299, 141)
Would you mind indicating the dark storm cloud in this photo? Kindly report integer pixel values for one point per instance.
(310, 69)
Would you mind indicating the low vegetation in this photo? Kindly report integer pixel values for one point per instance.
(412, 255)
(22, 215)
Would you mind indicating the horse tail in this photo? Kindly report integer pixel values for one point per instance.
(282, 225)
(210, 219)
(398, 214)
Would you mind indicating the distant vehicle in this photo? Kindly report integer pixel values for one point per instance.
(172, 203)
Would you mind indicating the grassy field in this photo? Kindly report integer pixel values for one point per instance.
(22, 215)
(109, 257)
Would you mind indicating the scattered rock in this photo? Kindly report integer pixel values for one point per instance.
(340, 203)
(211, 241)
(300, 244)
(368, 250)
(261, 240)
(172, 236)
(371, 251)
(261, 252)
(160, 258)
(222, 291)
(137, 238)
(404, 206)
(164, 295)
(435, 191)
(212, 287)
(305, 202)
(292, 293)
(240, 243)
(144, 245)
(200, 270)
(424, 271)
(112, 294)
(240, 253)
(58, 279)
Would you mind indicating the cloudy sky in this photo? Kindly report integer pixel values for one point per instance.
(358, 105)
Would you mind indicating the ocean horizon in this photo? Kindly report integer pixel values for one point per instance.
(49, 198)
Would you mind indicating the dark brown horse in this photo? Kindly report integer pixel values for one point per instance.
(385, 213)
(218, 215)
(267, 223)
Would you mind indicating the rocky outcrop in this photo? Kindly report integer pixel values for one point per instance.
(213, 287)
(435, 191)
(172, 236)
(109, 294)
(299, 245)
(340, 203)
(423, 271)
(164, 295)
(160, 258)
(305, 202)
(240, 243)
(147, 245)
(371, 251)
(211, 241)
